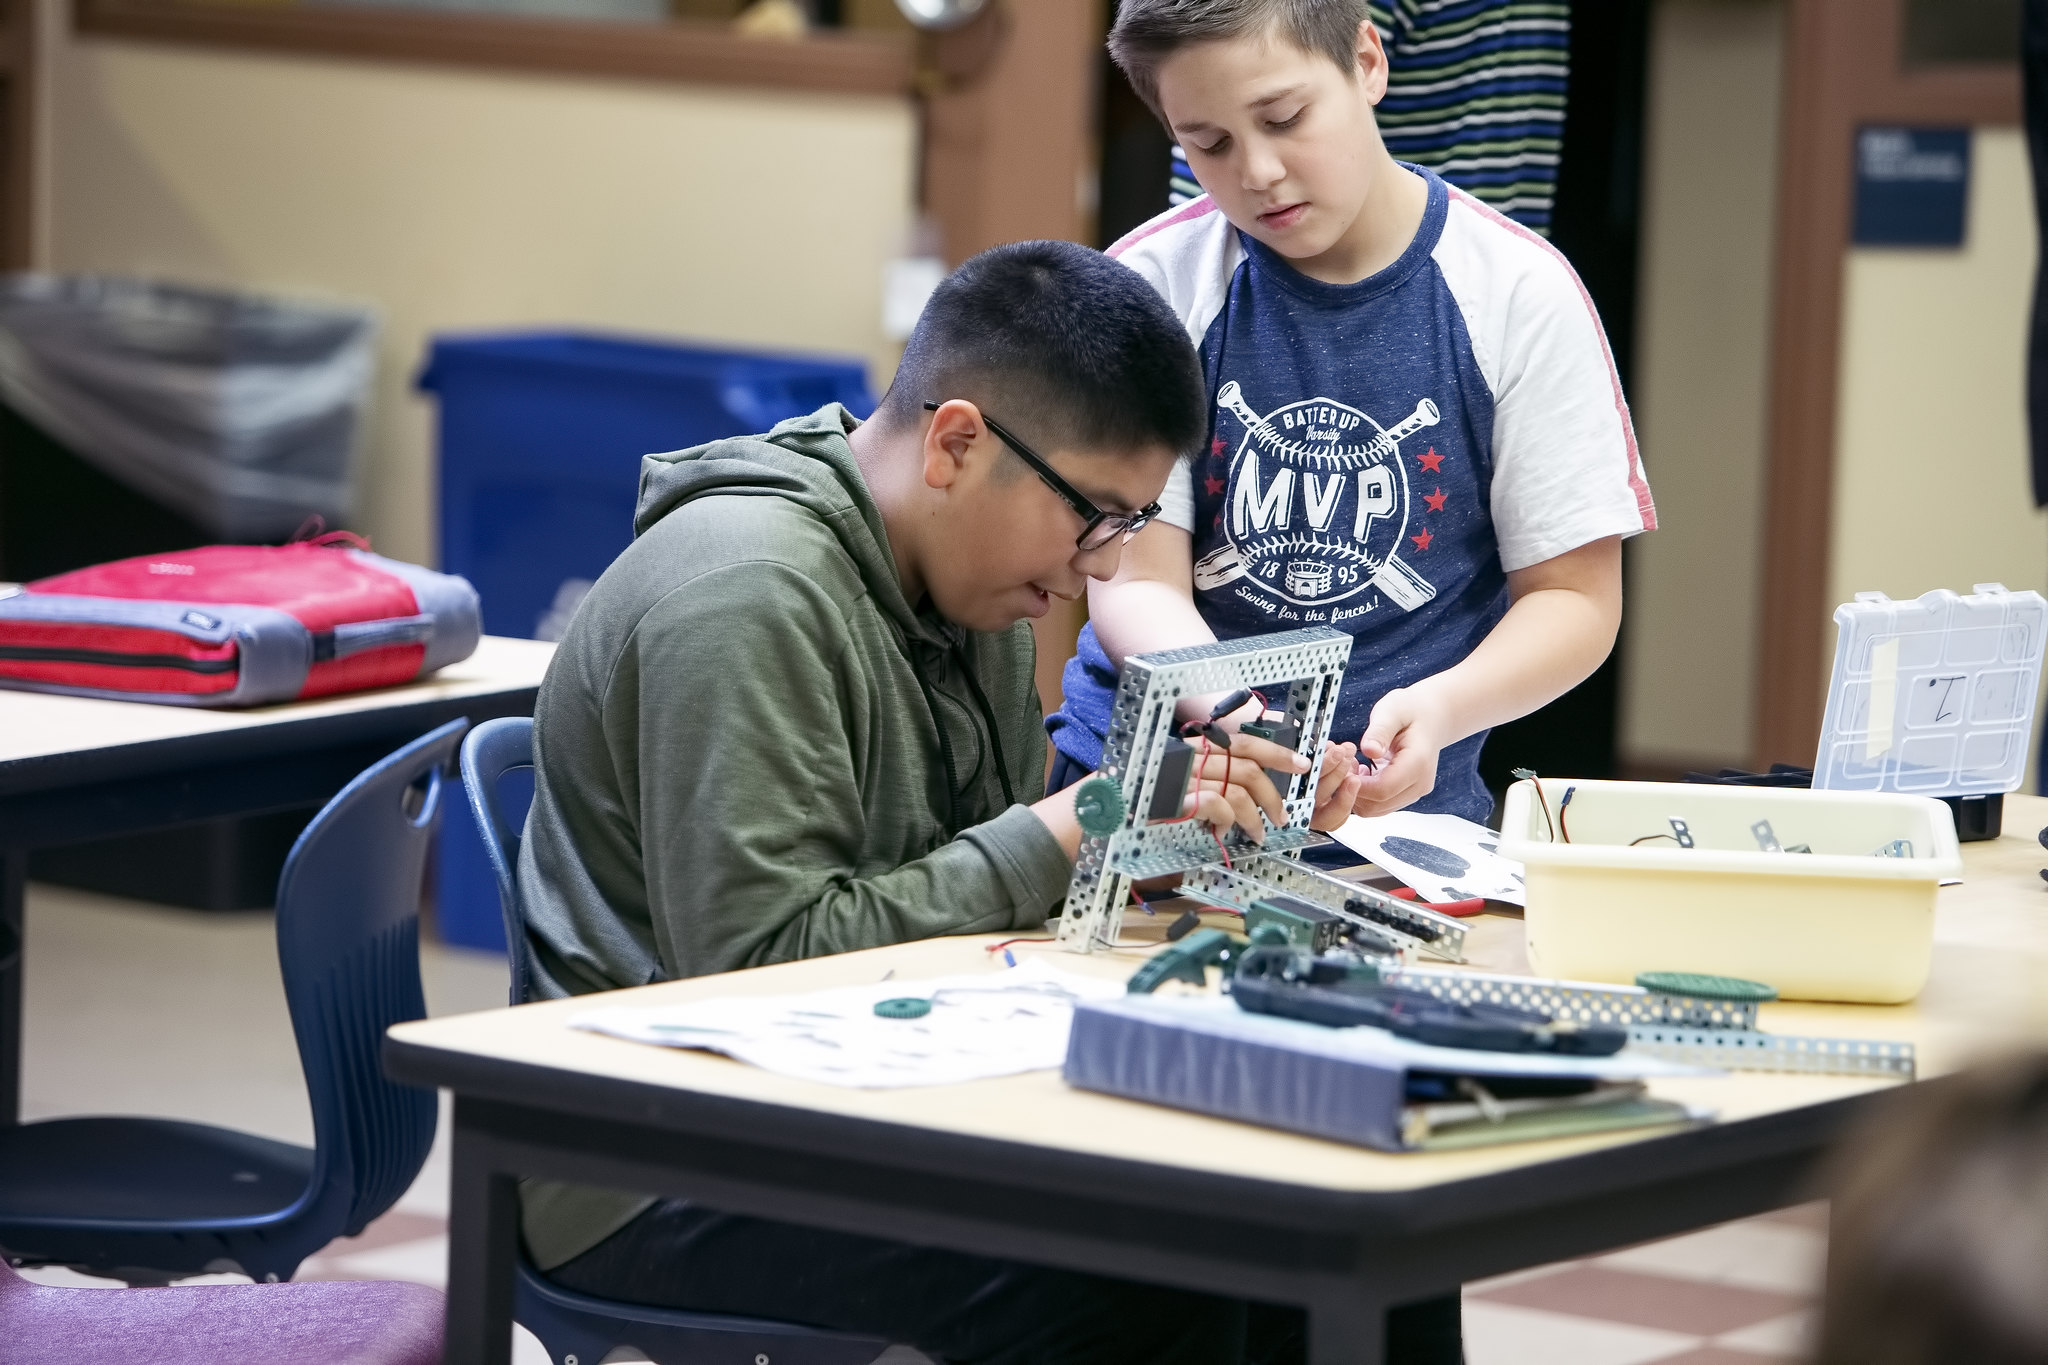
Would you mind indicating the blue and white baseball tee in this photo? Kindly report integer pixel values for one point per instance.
(1382, 454)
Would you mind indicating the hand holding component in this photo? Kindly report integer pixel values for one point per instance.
(1231, 787)
(1337, 786)
(1402, 741)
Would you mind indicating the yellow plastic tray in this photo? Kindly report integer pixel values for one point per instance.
(1840, 923)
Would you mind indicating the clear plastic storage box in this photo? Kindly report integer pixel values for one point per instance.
(1611, 893)
(1935, 695)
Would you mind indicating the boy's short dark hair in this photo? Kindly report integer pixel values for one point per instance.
(1073, 350)
(1147, 32)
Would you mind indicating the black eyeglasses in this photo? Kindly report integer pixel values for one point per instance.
(1102, 527)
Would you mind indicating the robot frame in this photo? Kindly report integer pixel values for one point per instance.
(1130, 810)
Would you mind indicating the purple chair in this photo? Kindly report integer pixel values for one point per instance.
(277, 1324)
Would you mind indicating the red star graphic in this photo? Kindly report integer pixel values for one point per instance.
(1435, 500)
(1216, 446)
(1422, 541)
(1433, 462)
(1214, 485)
(1219, 521)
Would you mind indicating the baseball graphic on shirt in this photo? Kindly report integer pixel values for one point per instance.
(1317, 503)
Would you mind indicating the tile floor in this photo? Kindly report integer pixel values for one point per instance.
(140, 1009)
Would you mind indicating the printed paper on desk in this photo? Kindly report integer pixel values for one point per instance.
(980, 1025)
(1444, 857)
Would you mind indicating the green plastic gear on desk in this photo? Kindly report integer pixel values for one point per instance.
(1099, 806)
(1703, 987)
(903, 1007)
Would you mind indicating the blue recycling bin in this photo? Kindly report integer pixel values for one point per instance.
(541, 435)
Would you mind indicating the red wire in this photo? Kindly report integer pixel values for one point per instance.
(998, 947)
(1200, 773)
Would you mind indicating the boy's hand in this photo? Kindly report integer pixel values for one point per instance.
(1402, 741)
(1337, 786)
(1230, 786)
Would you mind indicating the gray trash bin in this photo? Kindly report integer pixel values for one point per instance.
(238, 413)
(138, 418)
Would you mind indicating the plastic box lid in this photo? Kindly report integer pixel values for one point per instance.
(1934, 696)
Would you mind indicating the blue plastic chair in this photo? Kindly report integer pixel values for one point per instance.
(578, 1329)
(150, 1200)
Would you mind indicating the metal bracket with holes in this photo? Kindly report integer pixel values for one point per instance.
(1584, 1001)
(1308, 663)
(1680, 1028)
(1747, 1050)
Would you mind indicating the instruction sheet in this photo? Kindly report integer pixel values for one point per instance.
(1443, 857)
(977, 1026)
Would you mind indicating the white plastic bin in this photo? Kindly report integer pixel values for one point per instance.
(1841, 923)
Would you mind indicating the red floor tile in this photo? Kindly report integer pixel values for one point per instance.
(1695, 1307)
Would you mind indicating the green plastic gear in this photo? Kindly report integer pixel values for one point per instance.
(903, 1007)
(1703, 987)
(1099, 806)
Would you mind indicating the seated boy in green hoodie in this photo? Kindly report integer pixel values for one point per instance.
(796, 717)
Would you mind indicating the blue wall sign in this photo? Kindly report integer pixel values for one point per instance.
(1911, 186)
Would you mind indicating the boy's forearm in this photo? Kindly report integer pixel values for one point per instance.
(1548, 643)
(1142, 615)
(1150, 605)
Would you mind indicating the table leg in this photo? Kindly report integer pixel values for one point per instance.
(483, 1225)
(1347, 1326)
(13, 948)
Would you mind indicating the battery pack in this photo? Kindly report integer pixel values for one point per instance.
(1306, 924)
(1175, 766)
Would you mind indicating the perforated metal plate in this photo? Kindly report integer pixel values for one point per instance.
(1131, 854)
(1434, 933)
(1399, 920)
(1309, 663)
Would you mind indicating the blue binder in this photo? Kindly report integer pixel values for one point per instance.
(1352, 1085)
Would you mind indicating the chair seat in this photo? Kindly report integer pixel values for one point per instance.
(276, 1324)
(138, 1172)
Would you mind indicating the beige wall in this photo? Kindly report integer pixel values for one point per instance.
(1931, 483)
(1689, 637)
(452, 199)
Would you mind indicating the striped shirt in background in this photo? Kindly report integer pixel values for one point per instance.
(1476, 93)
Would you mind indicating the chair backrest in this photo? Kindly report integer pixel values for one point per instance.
(348, 925)
(497, 773)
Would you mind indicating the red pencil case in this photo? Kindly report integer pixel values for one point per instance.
(236, 625)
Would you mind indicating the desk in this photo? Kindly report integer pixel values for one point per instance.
(75, 768)
(1024, 1167)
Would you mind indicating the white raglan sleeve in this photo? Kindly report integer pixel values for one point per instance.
(1566, 471)
(1189, 255)
(1177, 500)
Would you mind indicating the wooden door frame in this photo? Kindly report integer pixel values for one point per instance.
(1844, 68)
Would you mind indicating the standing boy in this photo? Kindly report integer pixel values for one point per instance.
(1417, 434)
(796, 717)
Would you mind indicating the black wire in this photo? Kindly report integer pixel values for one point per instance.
(957, 821)
(995, 739)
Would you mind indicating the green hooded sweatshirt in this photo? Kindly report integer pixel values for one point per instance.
(750, 748)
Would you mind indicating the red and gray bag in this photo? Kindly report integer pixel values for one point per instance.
(236, 625)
